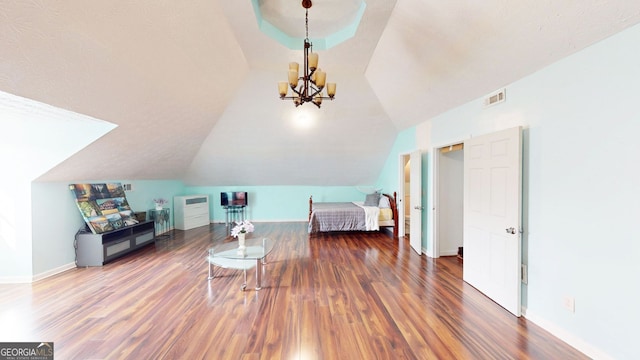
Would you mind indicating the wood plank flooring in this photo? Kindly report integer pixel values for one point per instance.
(330, 296)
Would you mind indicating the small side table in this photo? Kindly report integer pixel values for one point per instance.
(162, 219)
(234, 213)
(227, 256)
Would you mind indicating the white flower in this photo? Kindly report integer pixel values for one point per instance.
(242, 227)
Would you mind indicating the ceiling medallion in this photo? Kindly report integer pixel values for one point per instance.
(313, 80)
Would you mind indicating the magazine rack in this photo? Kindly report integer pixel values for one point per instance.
(98, 249)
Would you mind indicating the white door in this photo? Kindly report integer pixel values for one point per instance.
(492, 212)
(415, 202)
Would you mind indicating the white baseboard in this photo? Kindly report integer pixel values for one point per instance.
(449, 252)
(55, 271)
(34, 278)
(564, 335)
(15, 280)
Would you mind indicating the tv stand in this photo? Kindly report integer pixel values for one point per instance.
(98, 249)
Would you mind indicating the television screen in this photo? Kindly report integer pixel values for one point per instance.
(237, 198)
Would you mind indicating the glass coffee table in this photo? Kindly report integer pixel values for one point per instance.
(228, 256)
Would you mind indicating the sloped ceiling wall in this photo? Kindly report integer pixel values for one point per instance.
(192, 85)
(448, 53)
(151, 67)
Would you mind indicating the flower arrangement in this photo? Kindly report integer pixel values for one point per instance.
(242, 227)
(160, 201)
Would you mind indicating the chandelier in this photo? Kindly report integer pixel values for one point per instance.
(313, 80)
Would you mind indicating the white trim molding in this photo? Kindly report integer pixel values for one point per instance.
(569, 338)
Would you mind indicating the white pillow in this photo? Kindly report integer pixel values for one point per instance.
(384, 202)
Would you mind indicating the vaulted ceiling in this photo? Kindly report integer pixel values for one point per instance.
(191, 85)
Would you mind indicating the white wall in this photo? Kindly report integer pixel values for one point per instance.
(35, 138)
(581, 190)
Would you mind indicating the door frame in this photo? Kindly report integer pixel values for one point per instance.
(433, 250)
(416, 206)
(402, 158)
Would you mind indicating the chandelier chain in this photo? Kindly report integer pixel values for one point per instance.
(306, 23)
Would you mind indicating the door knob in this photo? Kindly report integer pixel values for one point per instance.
(511, 230)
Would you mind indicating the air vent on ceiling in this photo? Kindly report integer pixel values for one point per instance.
(495, 98)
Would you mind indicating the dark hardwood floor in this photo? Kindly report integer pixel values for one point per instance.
(331, 296)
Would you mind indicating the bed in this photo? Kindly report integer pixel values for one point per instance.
(371, 215)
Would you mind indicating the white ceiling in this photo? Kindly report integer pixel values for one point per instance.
(192, 84)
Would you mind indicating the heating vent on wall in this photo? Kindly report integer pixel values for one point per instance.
(127, 187)
(495, 98)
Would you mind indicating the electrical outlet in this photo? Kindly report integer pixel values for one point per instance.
(569, 303)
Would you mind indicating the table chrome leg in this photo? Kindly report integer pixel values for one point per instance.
(244, 284)
(258, 275)
(264, 246)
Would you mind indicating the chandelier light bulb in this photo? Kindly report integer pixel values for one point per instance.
(293, 78)
(321, 78)
(331, 89)
(283, 88)
(313, 60)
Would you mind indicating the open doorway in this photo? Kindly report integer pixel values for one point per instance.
(410, 213)
(477, 196)
(406, 191)
(449, 214)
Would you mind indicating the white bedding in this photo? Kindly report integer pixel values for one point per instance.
(371, 216)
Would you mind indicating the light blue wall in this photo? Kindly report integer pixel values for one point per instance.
(144, 191)
(581, 195)
(277, 203)
(404, 144)
(56, 218)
